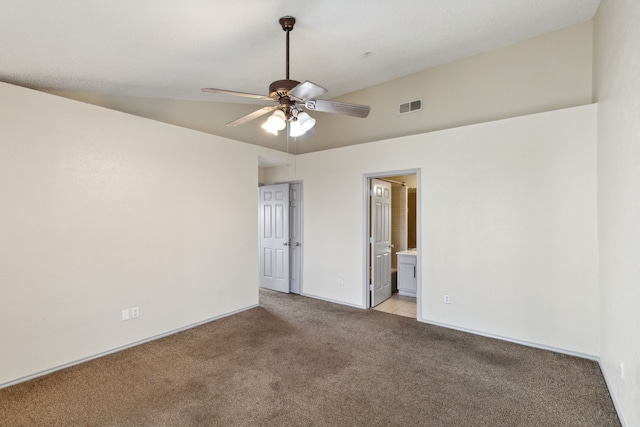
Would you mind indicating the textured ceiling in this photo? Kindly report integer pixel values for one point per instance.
(171, 49)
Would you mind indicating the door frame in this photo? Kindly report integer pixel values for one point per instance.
(366, 252)
(301, 233)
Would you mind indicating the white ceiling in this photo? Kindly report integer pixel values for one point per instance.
(171, 49)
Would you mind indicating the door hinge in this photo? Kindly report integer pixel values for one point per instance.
(371, 287)
(371, 240)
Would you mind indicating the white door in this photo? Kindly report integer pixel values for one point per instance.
(380, 241)
(295, 236)
(274, 237)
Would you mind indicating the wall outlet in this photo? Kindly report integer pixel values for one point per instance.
(125, 314)
(341, 282)
(447, 299)
(621, 369)
(135, 312)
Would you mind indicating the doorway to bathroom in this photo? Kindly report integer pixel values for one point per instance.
(392, 223)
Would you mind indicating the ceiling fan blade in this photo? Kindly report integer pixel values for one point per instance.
(252, 116)
(306, 90)
(354, 110)
(234, 93)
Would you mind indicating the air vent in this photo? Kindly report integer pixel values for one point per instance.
(410, 107)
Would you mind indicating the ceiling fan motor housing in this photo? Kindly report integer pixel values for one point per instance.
(279, 91)
(280, 88)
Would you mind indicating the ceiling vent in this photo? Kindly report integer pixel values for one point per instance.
(410, 107)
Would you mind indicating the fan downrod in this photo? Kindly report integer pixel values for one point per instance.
(278, 90)
(287, 23)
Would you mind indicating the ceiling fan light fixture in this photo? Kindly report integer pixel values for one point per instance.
(301, 125)
(306, 121)
(295, 129)
(275, 122)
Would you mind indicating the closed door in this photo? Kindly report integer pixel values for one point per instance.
(380, 241)
(274, 237)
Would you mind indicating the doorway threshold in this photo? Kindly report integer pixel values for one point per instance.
(400, 305)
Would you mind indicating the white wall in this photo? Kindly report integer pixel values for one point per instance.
(508, 224)
(617, 70)
(102, 211)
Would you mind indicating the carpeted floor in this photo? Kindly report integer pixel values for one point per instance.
(297, 361)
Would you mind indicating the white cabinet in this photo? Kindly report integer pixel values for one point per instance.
(407, 277)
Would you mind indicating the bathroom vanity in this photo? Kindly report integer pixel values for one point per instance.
(407, 277)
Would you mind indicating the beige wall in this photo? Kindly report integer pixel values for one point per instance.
(508, 225)
(617, 65)
(544, 73)
(103, 211)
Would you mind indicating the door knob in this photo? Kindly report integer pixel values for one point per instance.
(297, 244)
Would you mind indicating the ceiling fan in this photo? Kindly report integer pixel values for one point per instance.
(291, 98)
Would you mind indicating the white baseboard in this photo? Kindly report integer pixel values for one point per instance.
(613, 395)
(124, 347)
(332, 300)
(475, 332)
(515, 340)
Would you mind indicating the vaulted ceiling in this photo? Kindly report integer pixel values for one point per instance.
(169, 50)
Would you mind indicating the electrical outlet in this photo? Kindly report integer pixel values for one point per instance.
(621, 369)
(135, 312)
(341, 282)
(447, 299)
(125, 314)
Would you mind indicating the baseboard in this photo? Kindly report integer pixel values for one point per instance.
(516, 341)
(124, 347)
(484, 334)
(613, 395)
(332, 300)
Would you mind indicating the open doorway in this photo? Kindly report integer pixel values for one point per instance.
(396, 256)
